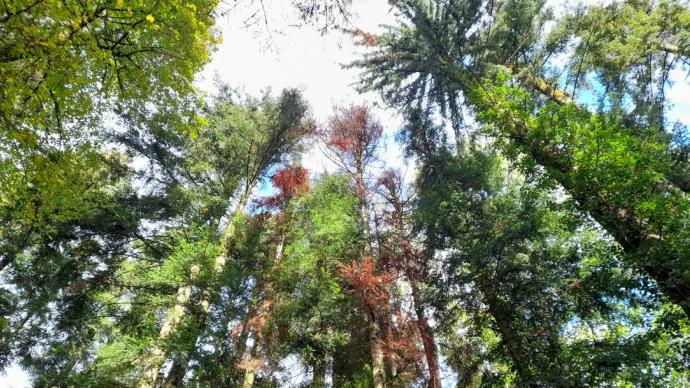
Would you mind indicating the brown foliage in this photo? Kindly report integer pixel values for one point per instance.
(290, 181)
(352, 136)
(353, 130)
(367, 38)
(400, 340)
(372, 288)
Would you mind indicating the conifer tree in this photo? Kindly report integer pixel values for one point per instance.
(487, 58)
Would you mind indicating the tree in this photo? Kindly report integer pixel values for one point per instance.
(527, 288)
(352, 138)
(266, 132)
(66, 198)
(69, 60)
(313, 310)
(65, 66)
(400, 253)
(140, 244)
(449, 55)
(56, 263)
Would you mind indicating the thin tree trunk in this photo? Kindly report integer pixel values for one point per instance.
(508, 336)
(241, 343)
(366, 233)
(172, 320)
(375, 335)
(175, 377)
(430, 349)
(472, 378)
(178, 369)
(252, 363)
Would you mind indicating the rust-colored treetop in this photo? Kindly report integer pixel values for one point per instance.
(290, 181)
(353, 130)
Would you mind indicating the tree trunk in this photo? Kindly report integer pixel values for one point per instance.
(377, 357)
(430, 349)
(178, 369)
(472, 378)
(677, 176)
(251, 366)
(508, 336)
(319, 370)
(175, 377)
(633, 234)
(257, 307)
(172, 320)
(378, 366)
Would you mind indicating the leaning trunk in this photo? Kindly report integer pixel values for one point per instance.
(644, 243)
(678, 176)
(172, 320)
(264, 309)
(250, 367)
(178, 369)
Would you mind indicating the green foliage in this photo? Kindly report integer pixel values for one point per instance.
(316, 311)
(555, 255)
(558, 305)
(630, 47)
(67, 208)
(446, 55)
(69, 58)
(615, 175)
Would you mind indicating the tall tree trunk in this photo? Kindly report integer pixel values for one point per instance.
(251, 365)
(252, 362)
(172, 320)
(375, 335)
(184, 293)
(430, 349)
(677, 175)
(240, 345)
(508, 336)
(175, 377)
(472, 377)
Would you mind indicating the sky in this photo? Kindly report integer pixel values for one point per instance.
(302, 58)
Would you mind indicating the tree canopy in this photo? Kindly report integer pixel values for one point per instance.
(154, 235)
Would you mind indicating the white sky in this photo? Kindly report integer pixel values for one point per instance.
(303, 59)
(312, 62)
